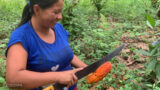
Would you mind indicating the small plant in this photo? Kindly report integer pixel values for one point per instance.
(152, 67)
(2, 75)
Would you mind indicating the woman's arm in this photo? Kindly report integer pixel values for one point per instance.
(76, 62)
(18, 77)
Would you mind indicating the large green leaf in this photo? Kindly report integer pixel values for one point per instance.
(142, 52)
(151, 65)
(150, 21)
(154, 51)
(158, 71)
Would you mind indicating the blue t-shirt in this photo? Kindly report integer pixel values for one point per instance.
(43, 56)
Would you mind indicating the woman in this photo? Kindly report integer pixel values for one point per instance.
(38, 52)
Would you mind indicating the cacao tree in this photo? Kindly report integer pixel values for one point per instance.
(99, 4)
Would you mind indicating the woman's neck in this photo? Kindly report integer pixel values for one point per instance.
(38, 27)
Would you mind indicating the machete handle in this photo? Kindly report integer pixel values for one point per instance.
(57, 86)
(51, 87)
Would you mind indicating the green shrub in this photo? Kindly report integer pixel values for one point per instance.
(126, 9)
(78, 17)
(9, 16)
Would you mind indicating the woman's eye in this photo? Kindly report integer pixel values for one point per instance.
(57, 12)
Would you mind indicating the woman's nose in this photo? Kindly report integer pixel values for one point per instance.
(59, 17)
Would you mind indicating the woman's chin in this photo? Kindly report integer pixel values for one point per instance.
(53, 25)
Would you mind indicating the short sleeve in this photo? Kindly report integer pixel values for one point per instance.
(17, 36)
(64, 31)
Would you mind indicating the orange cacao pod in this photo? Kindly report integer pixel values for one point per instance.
(100, 73)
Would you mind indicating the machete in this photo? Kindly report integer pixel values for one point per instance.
(89, 69)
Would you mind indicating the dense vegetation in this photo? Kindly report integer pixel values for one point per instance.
(96, 28)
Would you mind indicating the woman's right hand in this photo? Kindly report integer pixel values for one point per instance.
(68, 77)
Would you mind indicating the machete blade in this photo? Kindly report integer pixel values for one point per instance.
(91, 68)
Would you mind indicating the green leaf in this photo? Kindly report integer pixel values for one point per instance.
(151, 47)
(151, 65)
(103, 18)
(157, 22)
(2, 45)
(2, 80)
(157, 33)
(158, 71)
(150, 21)
(154, 51)
(132, 34)
(148, 85)
(142, 52)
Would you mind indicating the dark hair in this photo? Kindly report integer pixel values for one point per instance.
(28, 9)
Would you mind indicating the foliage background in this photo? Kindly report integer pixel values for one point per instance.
(96, 28)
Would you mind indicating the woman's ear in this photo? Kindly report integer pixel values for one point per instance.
(36, 10)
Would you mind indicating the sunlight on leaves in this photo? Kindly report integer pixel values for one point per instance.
(150, 21)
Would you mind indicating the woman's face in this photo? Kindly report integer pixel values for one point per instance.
(49, 16)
